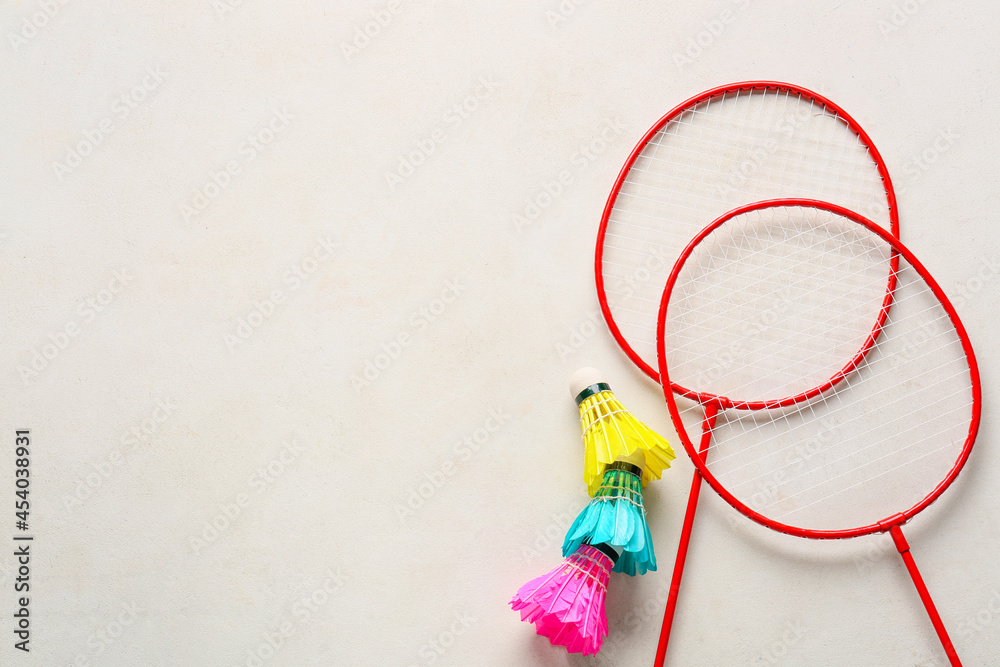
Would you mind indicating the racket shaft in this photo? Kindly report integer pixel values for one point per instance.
(682, 546)
(925, 596)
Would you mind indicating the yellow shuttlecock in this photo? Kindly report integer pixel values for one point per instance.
(612, 433)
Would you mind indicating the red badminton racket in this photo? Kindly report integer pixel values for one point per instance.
(723, 148)
(758, 316)
(728, 146)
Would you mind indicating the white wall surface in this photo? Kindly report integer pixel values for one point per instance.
(213, 321)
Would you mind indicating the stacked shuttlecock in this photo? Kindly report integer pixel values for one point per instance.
(567, 604)
(616, 516)
(611, 533)
(611, 433)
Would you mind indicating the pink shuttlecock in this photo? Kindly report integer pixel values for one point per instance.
(567, 604)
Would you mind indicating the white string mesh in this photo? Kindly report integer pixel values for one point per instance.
(776, 302)
(730, 150)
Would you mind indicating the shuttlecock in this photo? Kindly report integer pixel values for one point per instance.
(617, 516)
(567, 604)
(611, 432)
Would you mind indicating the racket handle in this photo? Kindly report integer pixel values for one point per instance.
(904, 551)
(675, 581)
(682, 547)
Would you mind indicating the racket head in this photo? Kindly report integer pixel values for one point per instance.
(746, 142)
(889, 411)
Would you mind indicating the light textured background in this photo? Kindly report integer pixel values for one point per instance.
(320, 547)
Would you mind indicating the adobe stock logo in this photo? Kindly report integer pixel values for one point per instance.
(982, 619)
(101, 639)
(61, 339)
(464, 450)
(419, 321)
(549, 540)
(778, 648)
(302, 610)
(579, 335)
(550, 190)
(562, 12)
(230, 510)
(37, 21)
(919, 164)
(137, 436)
(363, 35)
(121, 108)
(263, 310)
(438, 645)
(223, 7)
(713, 30)
(408, 164)
(900, 16)
(986, 272)
(221, 179)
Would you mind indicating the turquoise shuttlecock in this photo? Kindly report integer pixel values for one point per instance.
(616, 516)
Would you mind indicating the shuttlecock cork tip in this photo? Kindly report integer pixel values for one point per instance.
(583, 380)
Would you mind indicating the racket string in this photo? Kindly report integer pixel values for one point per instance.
(684, 340)
(902, 408)
(727, 150)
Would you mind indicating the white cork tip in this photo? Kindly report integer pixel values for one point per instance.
(582, 379)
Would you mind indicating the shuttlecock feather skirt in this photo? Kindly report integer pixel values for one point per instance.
(616, 516)
(611, 432)
(567, 604)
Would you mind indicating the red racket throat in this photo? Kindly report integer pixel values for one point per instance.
(821, 425)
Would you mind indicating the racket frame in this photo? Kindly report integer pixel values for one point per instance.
(743, 86)
(670, 395)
